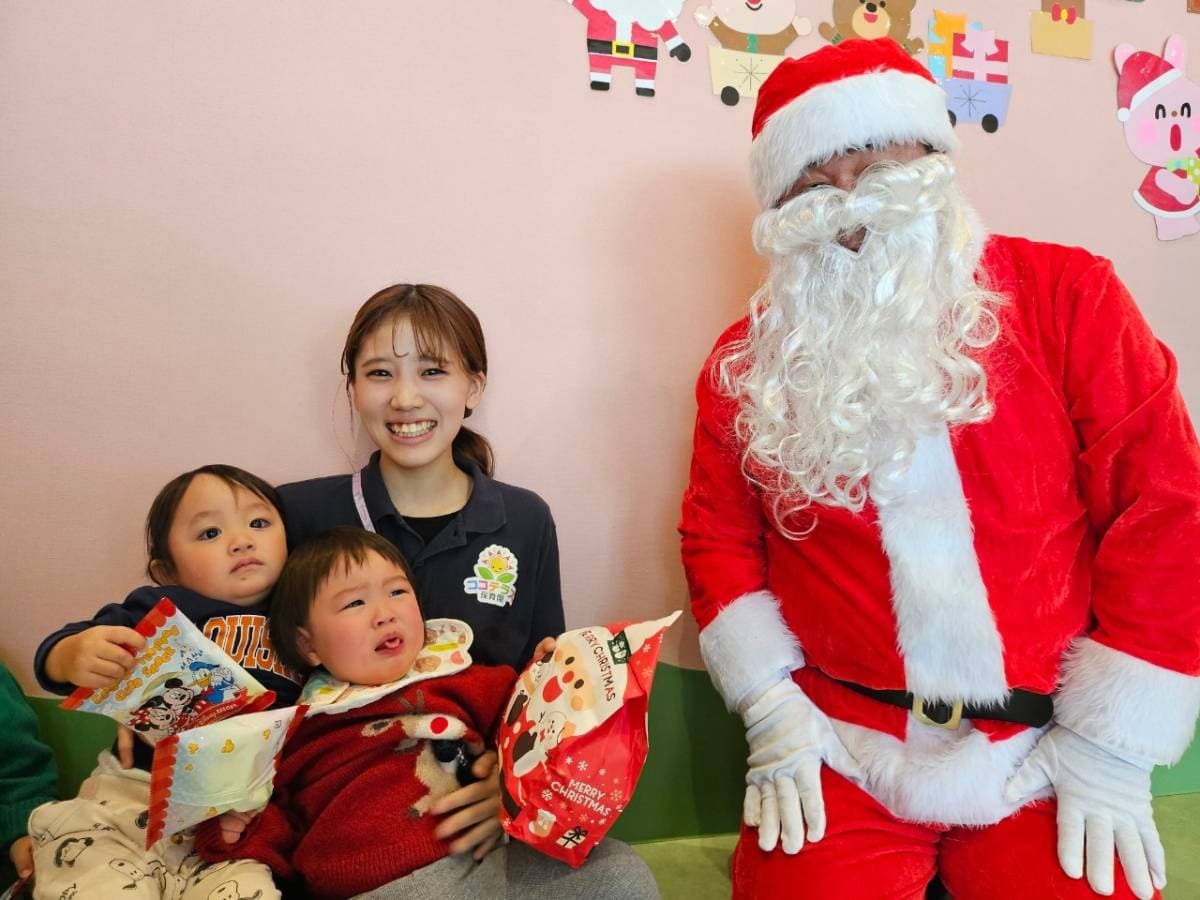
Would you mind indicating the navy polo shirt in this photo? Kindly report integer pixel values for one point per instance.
(502, 524)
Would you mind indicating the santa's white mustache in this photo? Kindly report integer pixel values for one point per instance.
(887, 196)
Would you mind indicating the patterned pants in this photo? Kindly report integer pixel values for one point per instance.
(95, 846)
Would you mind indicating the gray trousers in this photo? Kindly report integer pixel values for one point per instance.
(515, 872)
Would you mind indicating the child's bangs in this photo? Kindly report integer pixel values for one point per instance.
(240, 479)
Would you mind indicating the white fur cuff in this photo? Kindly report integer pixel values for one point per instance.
(748, 646)
(1127, 705)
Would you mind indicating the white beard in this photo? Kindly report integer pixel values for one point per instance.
(850, 357)
(650, 14)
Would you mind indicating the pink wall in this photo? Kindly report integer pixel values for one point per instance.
(194, 198)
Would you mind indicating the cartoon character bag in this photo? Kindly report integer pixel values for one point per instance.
(179, 680)
(573, 738)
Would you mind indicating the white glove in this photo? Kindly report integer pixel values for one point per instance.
(1101, 798)
(789, 739)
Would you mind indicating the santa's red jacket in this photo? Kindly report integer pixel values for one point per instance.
(349, 808)
(1054, 547)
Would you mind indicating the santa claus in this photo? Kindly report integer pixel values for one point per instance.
(943, 524)
(626, 33)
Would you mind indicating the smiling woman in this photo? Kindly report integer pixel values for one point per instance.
(478, 550)
(415, 363)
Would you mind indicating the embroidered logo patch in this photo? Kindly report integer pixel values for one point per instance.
(495, 578)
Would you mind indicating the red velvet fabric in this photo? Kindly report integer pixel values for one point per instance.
(867, 854)
(1084, 492)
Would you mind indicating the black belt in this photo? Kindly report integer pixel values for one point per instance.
(626, 49)
(1022, 707)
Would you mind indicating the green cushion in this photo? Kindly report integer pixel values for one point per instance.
(698, 868)
(691, 784)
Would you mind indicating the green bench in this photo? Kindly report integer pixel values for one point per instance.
(683, 818)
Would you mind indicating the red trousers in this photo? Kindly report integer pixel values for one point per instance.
(867, 854)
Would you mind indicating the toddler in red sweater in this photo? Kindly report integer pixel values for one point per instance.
(354, 785)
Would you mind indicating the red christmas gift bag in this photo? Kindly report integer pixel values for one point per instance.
(573, 739)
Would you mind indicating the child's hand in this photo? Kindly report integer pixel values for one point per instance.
(95, 657)
(233, 824)
(545, 645)
(125, 739)
(475, 823)
(21, 854)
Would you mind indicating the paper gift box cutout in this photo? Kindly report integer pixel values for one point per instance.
(1060, 29)
(980, 57)
(942, 29)
(1064, 10)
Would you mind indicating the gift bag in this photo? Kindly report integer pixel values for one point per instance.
(179, 680)
(205, 771)
(573, 738)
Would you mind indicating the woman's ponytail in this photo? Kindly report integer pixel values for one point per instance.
(474, 446)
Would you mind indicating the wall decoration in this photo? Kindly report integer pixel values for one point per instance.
(1193, 6)
(752, 42)
(872, 19)
(942, 28)
(627, 33)
(1160, 108)
(971, 65)
(1060, 29)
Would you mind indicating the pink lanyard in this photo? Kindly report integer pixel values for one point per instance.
(360, 502)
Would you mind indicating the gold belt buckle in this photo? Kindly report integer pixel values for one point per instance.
(622, 48)
(918, 710)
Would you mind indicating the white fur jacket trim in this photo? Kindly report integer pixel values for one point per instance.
(947, 633)
(748, 647)
(1127, 705)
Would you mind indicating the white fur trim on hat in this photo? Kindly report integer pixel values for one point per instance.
(878, 108)
(748, 646)
(945, 626)
(1127, 705)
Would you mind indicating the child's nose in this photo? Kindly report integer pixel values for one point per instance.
(242, 542)
(385, 617)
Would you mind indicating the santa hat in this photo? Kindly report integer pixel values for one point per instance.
(842, 97)
(1143, 75)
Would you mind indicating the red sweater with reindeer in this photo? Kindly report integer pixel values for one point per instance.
(353, 788)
